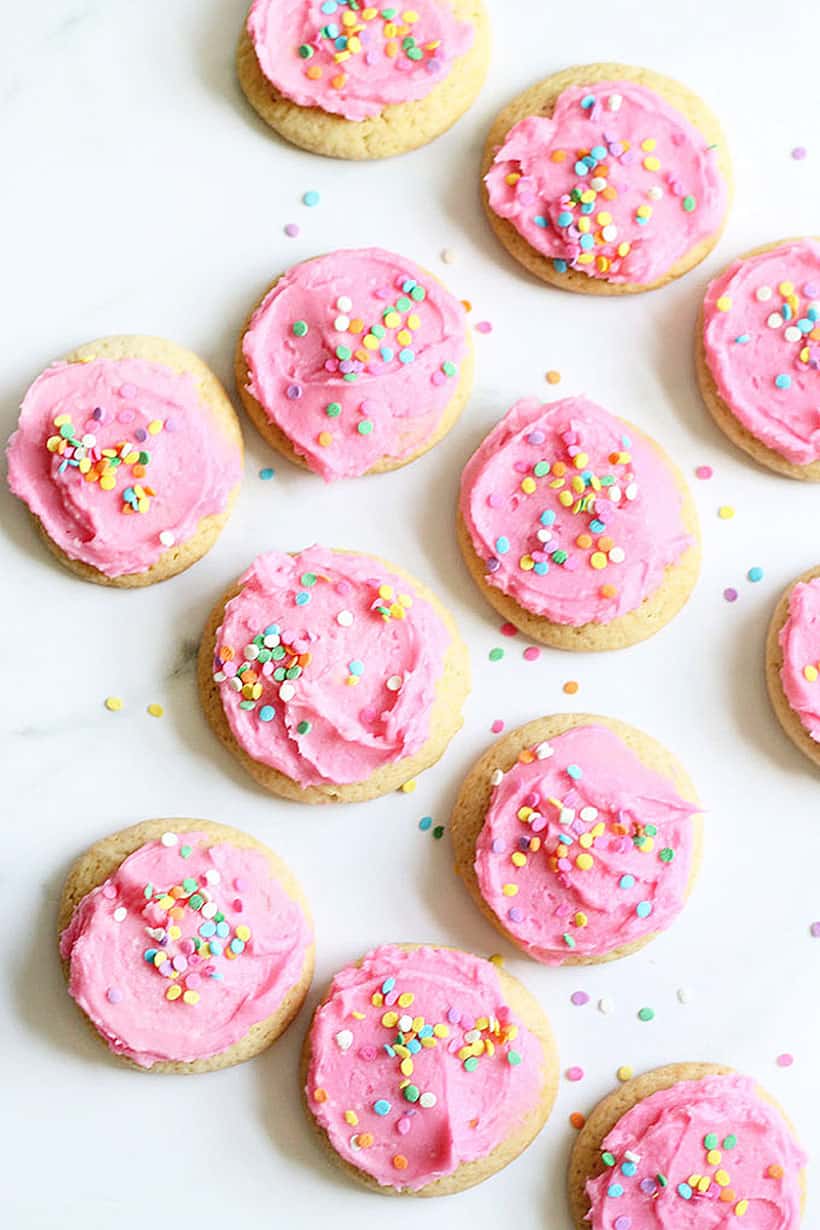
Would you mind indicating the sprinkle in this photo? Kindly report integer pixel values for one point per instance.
(113, 703)
(531, 654)
(577, 1120)
(438, 832)
(814, 930)
(155, 711)
(448, 256)
(726, 512)
(785, 1060)
(497, 726)
(553, 377)
(730, 594)
(382, 1107)
(646, 1014)
(483, 326)
(495, 655)
(799, 153)
(755, 574)
(291, 230)
(409, 787)
(267, 473)
(684, 996)
(704, 472)
(624, 1073)
(311, 198)
(425, 823)
(167, 538)
(575, 1074)
(783, 381)
(508, 630)
(571, 687)
(579, 998)
(606, 1006)
(723, 304)
(120, 914)
(300, 328)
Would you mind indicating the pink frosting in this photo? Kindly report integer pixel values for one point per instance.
(328, 665)
(418, 1066)
(717, 1130)
(800, 644)
(583, 849)
(762, 342)
(615, 184)
(310, 54)
(570, 534)
(159, 987)
(139, 410)
(347, 397)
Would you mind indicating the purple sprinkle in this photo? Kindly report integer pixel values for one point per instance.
(623, 1222)
(815, 930)
(125, 416)
(453, 1016)
(799, 153)
(730, 594)
(536, 437)
(291, 230)
(484, 326)
(97, 414)
(114, 995)
(579, 998)
(294, 392)
(811, 290)
(538, 822)
(493, 564)
(497, 846)
(140, 434)
(648, 1186)
(515, 914)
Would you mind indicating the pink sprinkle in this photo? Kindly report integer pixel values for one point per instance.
(730, 594)
(497, 726)
(367, 1053)
(291, 230)
(193, 981)
(785, 1060)
(114, 995)
(799, 153)
(109, 891)
(508, 630)
(403, 1125)
(240, 884)
(575, 1074)
(814, 930)
(579, 998)
(532, 653)
(437, 378)
(484, 326)
(704, 472)
(237, 905)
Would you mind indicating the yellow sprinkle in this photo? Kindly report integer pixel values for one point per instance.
(114, 703)
(584, 861)
(741, 1207)
(155, 427)
(155, 710)
(580, 919)
(510, 890)
(413, 322)
(351, 1117)
(648, 145)
(173, 992)
(721, 1176)
(644, 211)
(519, 859)
(243, 933)
(652, 164)
(810, 673)
(726, 512)
(624, 1073)
(598, 560)
(512, 179)
(704, 1184)
(528, 485)
(724, 303)
(408, 787)
(406, 999)
(404, 336)
(713, 1157)
(566, 498)
(358, 1016)
(107, 482)
(497, 959)
(585, 841)
(624, 249)
(786, 288)
(392, 320)
(406, 1067)
(174, 933)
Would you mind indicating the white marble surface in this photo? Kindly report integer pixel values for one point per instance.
(141, 194)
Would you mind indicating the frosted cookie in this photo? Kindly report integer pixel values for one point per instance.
(607, 179)
(128, 454)
(332, 676)
(688, 1145)
(578, 837)
(188, 945)
(793, 663)
(355, 362)
(427, 1070)
(758, 355)
(577, 527)
(352, 80)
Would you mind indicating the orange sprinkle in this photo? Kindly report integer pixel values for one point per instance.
(365, 1140)
(320, 1095)
(558, 155)
(571, 687)
(339, 81)
(553, 377)
(775, 1172)
(608, 591)
(314, 72)
(577, 1120)
(400, 1161)
(727, 1195)
(465, 303)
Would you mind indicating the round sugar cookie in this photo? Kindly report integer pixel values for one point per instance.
(332, 676)
(363, 82)
(427, 1069)
(578, 837)
(355, 362)
(128, 455)
(641, 1150)
(793, 663)
(187, 945)
(607, 179)
(577, 527)
(757, 355)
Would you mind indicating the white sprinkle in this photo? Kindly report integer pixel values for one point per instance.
(344, 619)
(792, 334)
(212, 876)
(251, 652)
(614, 102)
(631, 491)
(156, 933)
(617, 555)
(543, 751)
(169, 839)
(684, 995)
(89, 441)
(427, 1100)
(598, 183)
(209, 909)
(606, 1005)
(566, 815)
(544, 535)
(610, 232)
(588, 814)
(167, 538)
(615, 494)
(354, 1143)
(344, 1039)
(775, 320)
(344, 304)
(220, 677)
(472, 1035)
(272, 640)
(496, 777)
(448, 256)
(341, 324)
(655, 192)
(236, 683)
(763, 294)
(406, 1023)
(632, 1157)
(394, 683)
(120, 913)
(287, 691)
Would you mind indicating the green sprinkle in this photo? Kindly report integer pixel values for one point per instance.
(651, 830)
(710, 1140)
(412, 1093)
(196, 902)
(438, 832)
(541, 468)
(662, 1180)
(189, 885)
(300, 328)
(495, 655)
(343, 352)
(608, 1159)
(308, 579)
(513, 1058)
(568, 940)
(449, 368)
(378, 331)
(559, 556)
(730, 1141)
(219, 916)
(185, 851)
(415, 53)
(389, 14)
(247, 704)
(666, 855)
(66, 431)
(418, 293)
(305, 51)
(303, 728)
(646, 1014)
(147, 892)
(689, 204)
(403, 304)
(470, 1064)
(144, 458)
(333, 410)
(365, 427)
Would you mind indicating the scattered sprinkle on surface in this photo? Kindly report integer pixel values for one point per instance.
(684, 995)
(726, 512)
(291, 230)
(624, 1073)
(703, 472)
(311, 198)
(814, 930)
(155, 710)
(483, 326)
(577, 1120)
(553, 377)
(448, 256)
(496, 654)
(532, 653)
(575, 1074)
(646, 1014)
(785, 1060)
(508, 630)
(755, 574)
(579, 998)
(606, 1005)
(267, 473)
(571, 687)
(425, 823)
(438, 832)
(799, 153)
(113, 703)
(409, 787)
(730, 594)
(497, 726)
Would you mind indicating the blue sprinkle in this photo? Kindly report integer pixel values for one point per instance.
(783, 381)
(597, 526)
(272, 630)
(565, 839)
(786, 311)
(267, 473)
(588, 101)
(743, 338)
(237, 946)
(207, 930)
(541, 568)
(574, 772)
(627, 881)
(626, 441)
(222, 930)
(564, 218)
(805, 325)
(502, 545)
(755, 574)
(267, 713)
(388, 985)
(386, 353)
(813, 313)
(340, 44)
(407, 355)
(587, 208)
(382, 1107)
(150, 953)
(425, 823)
(302, 598)
(685, 1190)
(408, 285)
(614, 1189)
(216, 948)
(356, 667)
(390, 1050)
(329, 7)
(641, 221)
(581, 168)
(547, 517)
(629, 1168)
(643, 909)
(598, 152)
(541, 221)
(587, 242)
(413, 1046)
(559, 266)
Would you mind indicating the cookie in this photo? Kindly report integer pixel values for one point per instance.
(683, 1136)
(332, 676)
(577, 527)
(793, 663)
(188, 945)
(427, 1069)
(355, 362)
(578, 837)
(607, 179)
(758, 355)
(128, 454)
(359, 81)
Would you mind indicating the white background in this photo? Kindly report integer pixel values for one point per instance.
(141, 194)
